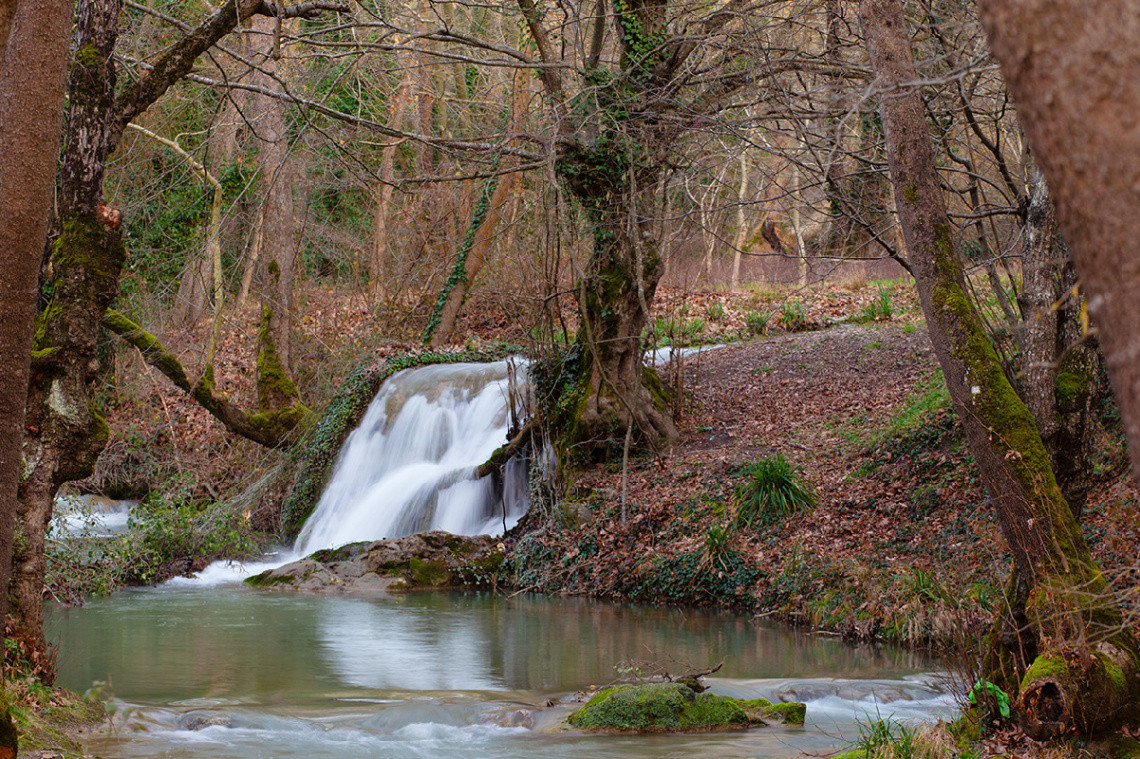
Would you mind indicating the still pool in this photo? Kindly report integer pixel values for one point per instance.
(231, 671)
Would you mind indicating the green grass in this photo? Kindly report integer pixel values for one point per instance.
(880, 308)
(793, 315)
(928, 401)
(756, 322)
(772, 490)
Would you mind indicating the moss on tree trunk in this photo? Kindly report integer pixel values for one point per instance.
(1060, 604)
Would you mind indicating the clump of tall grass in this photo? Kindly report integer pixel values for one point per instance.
(772, 490)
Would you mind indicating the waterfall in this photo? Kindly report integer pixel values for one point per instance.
(410, 464)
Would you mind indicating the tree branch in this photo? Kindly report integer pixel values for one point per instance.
(179, 59)
(270, 429)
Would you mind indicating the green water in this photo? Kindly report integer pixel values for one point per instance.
(231, 671)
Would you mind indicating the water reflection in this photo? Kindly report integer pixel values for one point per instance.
(233, 673)
(179, 643)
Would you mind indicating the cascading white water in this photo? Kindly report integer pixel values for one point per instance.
(410, 464)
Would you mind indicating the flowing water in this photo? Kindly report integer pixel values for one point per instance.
(211, 668)
(231, 671)
(409, 465)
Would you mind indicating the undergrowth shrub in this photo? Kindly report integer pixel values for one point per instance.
(772, 490)
(691, 578)
(163, 539)
(793, 315)
(880, 308)
(889, 739)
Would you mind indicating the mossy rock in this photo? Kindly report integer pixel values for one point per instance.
(1122, 747)
(671, 707)
(788, 712)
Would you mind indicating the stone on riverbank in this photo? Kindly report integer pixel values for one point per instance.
(424, 560)
(676, 707)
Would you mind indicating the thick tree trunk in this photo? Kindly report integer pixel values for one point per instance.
(1060, 366)
(65, 431)
(33, 72)
(1070, 623)
(1073, 67)
(614, 293)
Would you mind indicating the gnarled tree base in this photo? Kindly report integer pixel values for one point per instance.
(1084, 693)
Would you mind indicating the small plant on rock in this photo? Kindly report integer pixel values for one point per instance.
(773, 489)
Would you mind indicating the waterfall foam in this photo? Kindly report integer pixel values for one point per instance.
(409, 466)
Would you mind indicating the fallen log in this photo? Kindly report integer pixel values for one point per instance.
(502, 455)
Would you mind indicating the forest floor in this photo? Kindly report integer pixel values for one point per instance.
(901, 544)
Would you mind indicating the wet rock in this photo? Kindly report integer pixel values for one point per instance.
(512, 717)
(424, 560)
(202, 721)
(676, 707)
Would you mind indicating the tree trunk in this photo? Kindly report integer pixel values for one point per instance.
(741, 224)
(1069, 622)
(34, 41)
(1059, 365)
(614, 293)
(377, 272)
(1072, 68)
(65, 432)
(33, 73)
(277, 246)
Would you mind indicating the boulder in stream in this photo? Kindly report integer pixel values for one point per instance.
(435, 559)
(677, 708)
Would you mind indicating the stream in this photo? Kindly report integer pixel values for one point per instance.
(230, 671)
(208, 667)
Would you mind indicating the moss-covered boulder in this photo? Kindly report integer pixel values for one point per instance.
(434, 559)
(676, 707)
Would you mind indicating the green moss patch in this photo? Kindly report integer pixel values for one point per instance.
(674, 707)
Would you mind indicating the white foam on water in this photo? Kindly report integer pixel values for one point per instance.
(409, 466)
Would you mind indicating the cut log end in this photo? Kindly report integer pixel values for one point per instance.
(1046, 711)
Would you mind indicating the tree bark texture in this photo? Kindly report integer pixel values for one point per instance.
(65, 432)
(33, 73)
(1065, 610)
(1073, 68)
(278, 251)
(614, 293)
(1060, 365)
